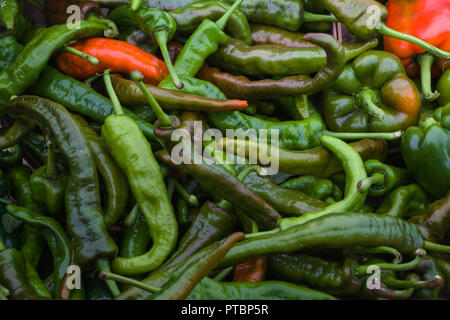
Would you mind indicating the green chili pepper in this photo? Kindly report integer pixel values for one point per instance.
(189, 17)
(314, 187)
(55, 236)
(13, 276)
(138, 38)
(48, 184)
(318, 161)
(135, 238)
(11, 156)
(430, 271)
(354, 173)
(372, 93)
(9, 240)
(113, 178)
(180, 286)
(335, 230)
(404, 202)
(25, 69)
(443, 87)
(8, 14)
(434, 223)
(15, 133)
(129, 94)
(85, 222)
(32, 241)
(287, 202)
(156, 23)
(125, 141)
(209, 289)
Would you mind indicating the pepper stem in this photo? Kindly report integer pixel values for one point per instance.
(103, 266)
(224, 204)
(222, 274)
(162, 38)
(314, 17)
(388, 293)
(163, 119)
(222, 22)
(135, 283)
(378, 250)
(426, 61)
(51, 170)
(189, 198)
(385, 30)
(135, 4)
(112, 94)
(395, 283)
(368, 99)
(377, 178)
(362, 269)
(364, 135)
(436, 247)
(92, 60)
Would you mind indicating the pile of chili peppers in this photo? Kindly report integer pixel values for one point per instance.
(94, 206)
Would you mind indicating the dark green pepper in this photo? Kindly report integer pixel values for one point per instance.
(404, 202)
(443, 87)
(315, 187)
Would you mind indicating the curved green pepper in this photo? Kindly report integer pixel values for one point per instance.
(404, 202)
(443, 87)
(372, 93)
(314, 187)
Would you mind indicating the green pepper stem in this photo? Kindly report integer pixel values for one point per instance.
(362, 269)
(189, 198)
(251, 168)
(388, 293)
(163, 119)
(380, 249)
(395, 283)
(36, 4)
(426, 61)
(314, 17)
(364, 135)
(377, 178)
(112, 94)
(222, 274)
(224, 204)
(91, 79)
(301, 103)
(103, 266)
(367, 99)
(436, 247)
(128, 281)
(132, 216)
(135, 4)
(162, 38)
(385, 30)
(222, 22)
(92, 60)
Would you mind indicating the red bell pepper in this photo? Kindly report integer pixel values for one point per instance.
(428, 20)
(116, 55)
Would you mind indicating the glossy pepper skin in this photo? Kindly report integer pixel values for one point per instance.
(13, 276)
(189, 17)
(85, 223)
(332, 277)
(112, 176)
(209, 289)
(348, 229)
(244, 88)
(25, 69)
(443, 86)
(434, 223)
(318, 161)
(48, 184)
(119, 56)
(11, 156)
(372, 93)
(315, 187)
(426, 153)
(134, 155)
(8, 14)
(252, 270)
(129, 94)
(404, 202)
(207, 174)
(287, 202)
(393, 177)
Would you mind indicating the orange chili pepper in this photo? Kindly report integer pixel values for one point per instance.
(252, 270)
(119, 56)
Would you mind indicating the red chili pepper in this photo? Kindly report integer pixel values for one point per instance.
(119, 56)
(428, 20)
(252, 270)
